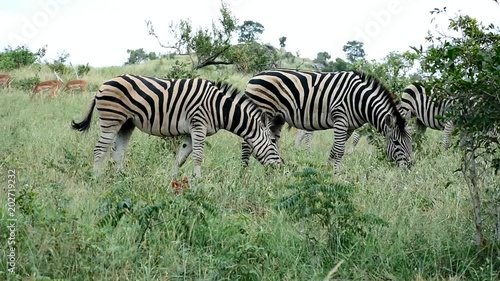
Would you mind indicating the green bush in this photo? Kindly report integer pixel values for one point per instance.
(25, 84)
(253, 57)
(332, 204)
(180, 70)
(21, 56)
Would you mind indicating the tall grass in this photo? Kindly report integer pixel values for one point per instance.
(226, 226)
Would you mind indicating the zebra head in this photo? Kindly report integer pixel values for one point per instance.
(399, 143)
(265, 149)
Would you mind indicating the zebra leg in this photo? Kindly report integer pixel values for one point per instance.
(308, 138)
(246, 151)
(448, 129)
(198, 135)
(106, 139)
(303, 135)
(300, 136)
(355, 140)
(185, 150)
(121, 141)
(341, 135)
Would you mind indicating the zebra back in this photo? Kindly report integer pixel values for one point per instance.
(428, 110)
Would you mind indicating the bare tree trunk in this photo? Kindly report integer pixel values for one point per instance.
(470, 174)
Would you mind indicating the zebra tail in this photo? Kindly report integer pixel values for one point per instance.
(84, 125)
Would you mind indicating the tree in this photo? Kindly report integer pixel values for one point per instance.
(464, 66)
(338, 65)
(282, 41)
(203, 46)
(354, 51)
(19, 57)
(322, 58)
(395, 69)
(58, 65)
(249, 31)
(253, 57)
(139, 55)
(83, 69)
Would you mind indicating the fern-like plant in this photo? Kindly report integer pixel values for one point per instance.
(316, 196)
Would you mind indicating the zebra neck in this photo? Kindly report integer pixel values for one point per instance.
(237, 119)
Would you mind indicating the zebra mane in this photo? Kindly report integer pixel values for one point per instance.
(236, 94)
(425, 90)
(370, 79)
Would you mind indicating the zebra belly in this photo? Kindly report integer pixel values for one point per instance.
(167, 129)
(316, 123)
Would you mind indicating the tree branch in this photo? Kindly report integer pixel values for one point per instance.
(207, 63)
(151, 31)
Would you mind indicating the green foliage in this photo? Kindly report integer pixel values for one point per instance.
(375, 139)
(394, 70)
(59, 233)
(21, 56)
(139, 55)
(204, 46)
(253, 57)
(282, 40)
(332, 204)
(354, 51)
(186, 212)
(58, 65)
(180, 70)
(250, 31)
(26, 84)
(464, 66)
(83, 69)
(322, 57)
(337, 65)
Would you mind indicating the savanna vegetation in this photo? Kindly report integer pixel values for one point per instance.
(373, 221)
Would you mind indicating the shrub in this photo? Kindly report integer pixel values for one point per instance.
(332, 204)
(25, 84)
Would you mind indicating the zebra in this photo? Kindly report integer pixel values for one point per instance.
(415, 101)
(342, 101)
(193, 108)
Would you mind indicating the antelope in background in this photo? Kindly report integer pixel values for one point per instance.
(52, 85)
(76, 84)
(5, 81)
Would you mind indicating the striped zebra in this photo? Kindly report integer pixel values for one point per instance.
(194, 108)
(415, 101)
(342, 101)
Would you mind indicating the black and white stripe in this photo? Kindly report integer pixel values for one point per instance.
(196, 108)
(342, 101)
(416, 102)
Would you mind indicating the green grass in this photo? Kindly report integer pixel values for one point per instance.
(226, 226)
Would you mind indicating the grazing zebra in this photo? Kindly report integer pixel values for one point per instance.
(195, 108)
(414, 101)
(342, 101)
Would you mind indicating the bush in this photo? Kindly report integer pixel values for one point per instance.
(253, 57)
(180, 70)
(83, 69)
(332, 205)
(25, 84)
(21, 56)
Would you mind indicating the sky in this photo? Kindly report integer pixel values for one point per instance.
(99, 32)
